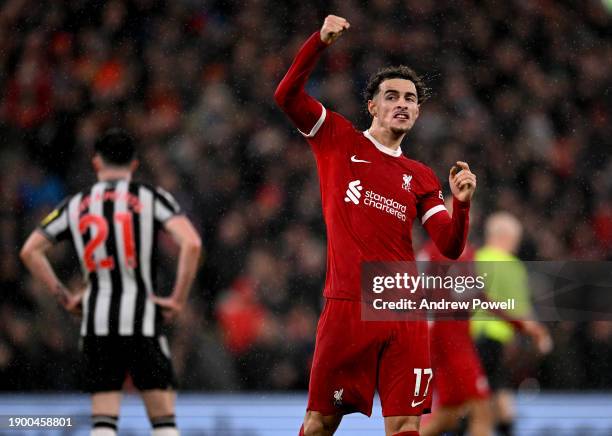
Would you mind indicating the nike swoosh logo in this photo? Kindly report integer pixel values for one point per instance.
(354, 159)
(418, 403)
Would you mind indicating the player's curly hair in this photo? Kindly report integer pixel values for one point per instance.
(399, 72)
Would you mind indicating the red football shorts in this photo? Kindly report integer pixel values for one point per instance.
(459, 374)
(353, 358)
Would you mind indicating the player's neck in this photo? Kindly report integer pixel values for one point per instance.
(107, 174)
(386, 137)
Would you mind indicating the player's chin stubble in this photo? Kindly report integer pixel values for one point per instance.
(399, 130)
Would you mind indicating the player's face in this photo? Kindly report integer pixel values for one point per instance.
(396, 105)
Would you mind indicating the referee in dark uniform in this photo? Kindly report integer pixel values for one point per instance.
(113, 227)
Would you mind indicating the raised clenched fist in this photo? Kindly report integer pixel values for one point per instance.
(332, 28)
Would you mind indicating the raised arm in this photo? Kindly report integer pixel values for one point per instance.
(303, 110)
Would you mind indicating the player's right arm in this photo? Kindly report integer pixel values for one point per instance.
(305, 111)
(34, 258)
(534, 329)
(187, 238)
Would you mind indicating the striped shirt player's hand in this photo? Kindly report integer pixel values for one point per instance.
(170, 307)
(72, 302)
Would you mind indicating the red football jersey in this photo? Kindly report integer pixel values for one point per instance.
(371, 194)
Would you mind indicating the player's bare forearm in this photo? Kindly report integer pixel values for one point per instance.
(187, 238)
(187, 268)
(34, 258)
(190, 244)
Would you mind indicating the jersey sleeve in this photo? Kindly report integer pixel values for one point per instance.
(312, 119)
(305, 112)
(165, 206)
(55, 226)
(335, 133)
(431, 201)
(448, 233)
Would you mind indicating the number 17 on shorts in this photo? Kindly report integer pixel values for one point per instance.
(423, 378)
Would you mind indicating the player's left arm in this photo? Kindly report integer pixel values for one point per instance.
(33, 255)
(450, 233)
(186, 236)
(534, 329)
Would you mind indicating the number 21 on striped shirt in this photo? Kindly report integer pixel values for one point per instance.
(101, 234)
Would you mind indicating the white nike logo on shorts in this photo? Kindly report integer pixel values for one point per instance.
(418, 403)
(354, 159)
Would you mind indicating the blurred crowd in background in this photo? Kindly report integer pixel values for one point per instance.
(520, 90)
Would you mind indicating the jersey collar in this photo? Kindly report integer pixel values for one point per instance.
(383, 148)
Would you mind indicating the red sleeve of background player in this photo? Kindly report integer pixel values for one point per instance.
(449, 234)
(305, 112)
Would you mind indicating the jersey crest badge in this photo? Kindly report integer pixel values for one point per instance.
(407, 180)
(338, 397)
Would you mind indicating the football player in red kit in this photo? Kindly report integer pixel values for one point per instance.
(371, 193)
(460, 385)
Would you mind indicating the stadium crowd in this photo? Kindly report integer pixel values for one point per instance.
(519, 89)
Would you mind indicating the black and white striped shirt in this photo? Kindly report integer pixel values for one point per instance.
(113, 227)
